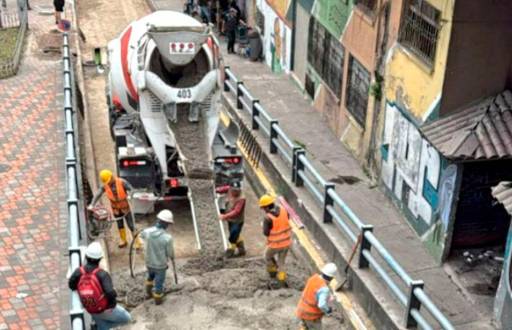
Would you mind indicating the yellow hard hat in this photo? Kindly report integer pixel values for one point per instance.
(267, 200)
(106, 176)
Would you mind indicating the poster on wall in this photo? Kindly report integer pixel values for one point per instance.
(277, 34)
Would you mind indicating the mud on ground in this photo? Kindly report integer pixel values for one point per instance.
(234, 297)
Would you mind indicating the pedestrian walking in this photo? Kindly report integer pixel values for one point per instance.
(276, 227)
(230, 28)
(159, 250)
(96, 291)
(59, 8)
(234, 215)
(204, 10)
(117, 190)
(314, 302)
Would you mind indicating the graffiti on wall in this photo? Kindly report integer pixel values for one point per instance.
(277, 39)
(333, 14)
(411, 170)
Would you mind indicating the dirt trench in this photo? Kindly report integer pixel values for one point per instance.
(234, 297)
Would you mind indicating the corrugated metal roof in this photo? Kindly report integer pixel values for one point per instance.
(479, 131)
(503, 193)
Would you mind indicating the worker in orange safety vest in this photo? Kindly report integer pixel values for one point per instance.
(117, 191)
(314, 302)
(276, 227)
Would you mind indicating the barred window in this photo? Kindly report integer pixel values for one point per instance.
(358, 89)
(326, 56)
(419, 29)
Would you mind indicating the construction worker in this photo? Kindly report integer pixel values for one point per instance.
(159, 250)
(234, 214)
(95, 289)
(276, 226)
(314, 302)
(117, 190)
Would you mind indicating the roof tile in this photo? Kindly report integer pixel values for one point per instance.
(481, 130)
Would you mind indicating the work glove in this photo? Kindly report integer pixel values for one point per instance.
(90, 207)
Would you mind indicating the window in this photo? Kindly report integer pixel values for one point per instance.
(326, 56)
(367, 6)
(419, 29)
(358, 88)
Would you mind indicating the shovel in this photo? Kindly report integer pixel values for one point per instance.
(352, 254)
(174, 271)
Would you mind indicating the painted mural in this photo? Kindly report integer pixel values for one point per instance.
(333, 14)
(418, 180)
(277, 36)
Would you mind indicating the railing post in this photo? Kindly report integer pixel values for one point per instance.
(294, 163)
(239, 94)
(328, 201)
(273, 135)
(412, 303)
(226, 78)
(365, 245)
(255, 113)
(298, 166)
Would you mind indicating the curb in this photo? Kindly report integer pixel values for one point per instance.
(306, 249)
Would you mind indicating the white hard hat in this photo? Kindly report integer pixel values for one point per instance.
(329, 269)
(94, 251)
(166, 216)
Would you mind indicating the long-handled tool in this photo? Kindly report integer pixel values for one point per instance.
(174, 270)
(352, 254)
(130, 255)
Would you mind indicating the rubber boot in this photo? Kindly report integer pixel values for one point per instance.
(281, 278)
(241, 248)
(158, 297)
(122, 238)
(149, 288)
(272, 271)
(138, 244)
(230, 252)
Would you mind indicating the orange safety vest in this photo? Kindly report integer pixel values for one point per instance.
(119, 200)
(280, 235)
(307, 309)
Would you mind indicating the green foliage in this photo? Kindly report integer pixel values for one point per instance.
(8, 43)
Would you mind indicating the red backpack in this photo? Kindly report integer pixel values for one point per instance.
(91, 293)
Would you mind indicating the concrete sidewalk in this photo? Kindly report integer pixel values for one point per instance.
(279, 95)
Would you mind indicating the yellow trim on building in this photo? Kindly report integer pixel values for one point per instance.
(412, 82)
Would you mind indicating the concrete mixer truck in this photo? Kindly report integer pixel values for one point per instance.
(164, 75)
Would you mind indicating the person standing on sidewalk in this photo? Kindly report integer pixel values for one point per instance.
(159, 250)
(204, 10)
(95, 289)
(59, 8)
(230, 28)
(277, 229)
(117, 191)
(314, 302)
(234, 215)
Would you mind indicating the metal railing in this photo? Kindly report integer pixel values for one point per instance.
(73, 173)
(335, 210)
(18, 19)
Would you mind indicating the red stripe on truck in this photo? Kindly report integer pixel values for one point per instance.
(125, 40)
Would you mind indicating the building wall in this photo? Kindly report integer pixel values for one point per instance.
(278, 34)
(480, 58)
(301, 44)
(420, 182)
(409, 81)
